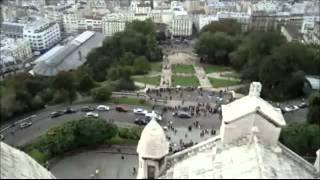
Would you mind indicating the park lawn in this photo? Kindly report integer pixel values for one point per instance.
(155, 80)
(181, 68)
(156, 67)
(215, 69)
(216, 83)
(185, 81)
(128, 100)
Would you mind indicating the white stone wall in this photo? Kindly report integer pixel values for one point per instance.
(143, 168)
(181, 26)
(268, 132)
(237, 129)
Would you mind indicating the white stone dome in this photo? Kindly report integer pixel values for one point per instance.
(15, 164)
(153, 143)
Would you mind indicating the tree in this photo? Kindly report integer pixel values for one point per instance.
(103, 93)
(215, 48)
(302, 138)
(144, 27)
(141, 65)
(125, 84)
(60, 96)
(86, 83)
(313, 115)
(228, 26)
(65, 80)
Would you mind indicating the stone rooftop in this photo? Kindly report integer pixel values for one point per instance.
(246, 158)
(15, 164)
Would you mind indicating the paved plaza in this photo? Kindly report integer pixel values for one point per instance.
(83, 165)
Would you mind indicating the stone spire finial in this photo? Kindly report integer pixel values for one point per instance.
(255, 89)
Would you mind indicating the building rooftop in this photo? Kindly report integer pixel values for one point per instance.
(245, 158)
(16, 28)
(64, 58)
(314, 82)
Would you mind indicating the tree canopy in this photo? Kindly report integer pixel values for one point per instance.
(313, 115)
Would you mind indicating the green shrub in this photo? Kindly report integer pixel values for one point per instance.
(102, 94)
(142, 101)
(75, 134)
(38, 156)
(301, 138)
(132, 133)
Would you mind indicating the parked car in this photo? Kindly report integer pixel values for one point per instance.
(25, 124)
(2, 137)
(56, 114)
(182, 114)
(69, 110)
(303, 105)
(140, 111)
(122, 109)
(103, 108)
(291, 108)
(92, 114)
(140, 121)
(87, 109)
(155, 115)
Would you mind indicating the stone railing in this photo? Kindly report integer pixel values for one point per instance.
(170, 160)
(307, 165)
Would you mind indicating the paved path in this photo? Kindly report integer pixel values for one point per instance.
(218, 76)
(82, 165)
(166, 73)
(201, 74)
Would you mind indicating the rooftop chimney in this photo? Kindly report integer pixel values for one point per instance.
(255, 89)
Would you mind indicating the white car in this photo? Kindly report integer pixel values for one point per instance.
(92, 114)
(153, 115)
(140, 111)
(291, 108)
(25, 124)
(103, 108)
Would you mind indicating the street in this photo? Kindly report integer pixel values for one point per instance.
(42, 122)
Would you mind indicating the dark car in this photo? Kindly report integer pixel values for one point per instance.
(183, 115)
(140, 121)
(56, 114)
(69, 110)
(147, 119)
(303, 105)
(87, 109)
(121, 109)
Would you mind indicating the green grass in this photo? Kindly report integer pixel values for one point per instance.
(38, 156)
(185, 81)
(156, 67)
(155, 80)
(215, 69)
(128, 100)
(182, 68)
(117, 140)
(223, 82)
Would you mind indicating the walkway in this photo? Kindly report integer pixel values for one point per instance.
(166, 73)
(201, 74)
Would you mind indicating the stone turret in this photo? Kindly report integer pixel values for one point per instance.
(152, 148)
(255, 89)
